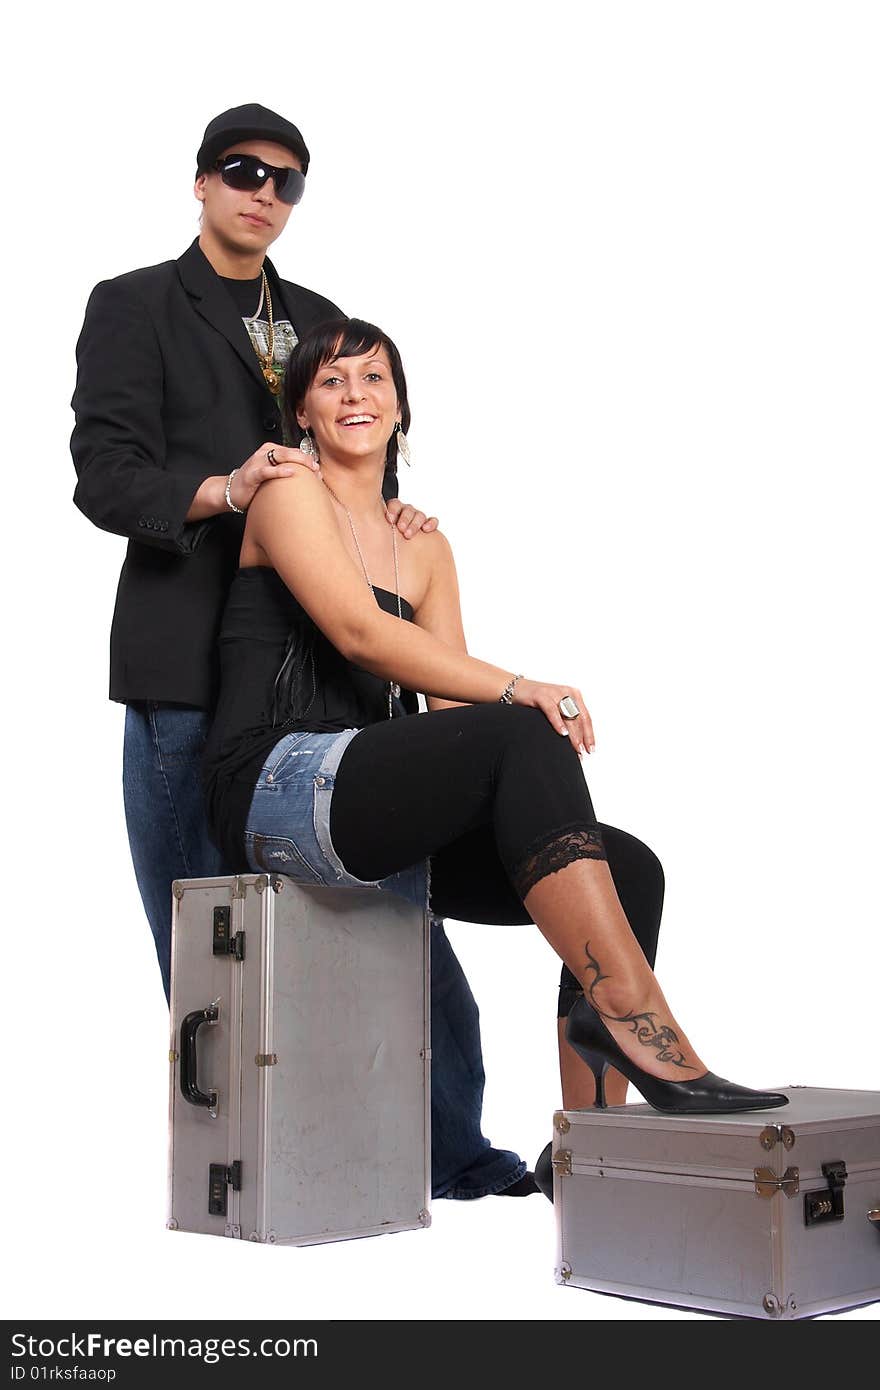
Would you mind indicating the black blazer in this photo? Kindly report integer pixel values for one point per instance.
(169, 392)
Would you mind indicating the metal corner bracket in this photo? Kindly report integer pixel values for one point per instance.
(777, 1134)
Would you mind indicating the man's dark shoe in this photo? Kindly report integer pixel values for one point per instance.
(523, 1187)
(544, 1172)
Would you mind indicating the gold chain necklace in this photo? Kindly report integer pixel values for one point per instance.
(267, 359)
(393, 688)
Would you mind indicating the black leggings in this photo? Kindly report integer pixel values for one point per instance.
(498, 800)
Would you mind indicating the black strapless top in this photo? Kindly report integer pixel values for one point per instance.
(278, 674)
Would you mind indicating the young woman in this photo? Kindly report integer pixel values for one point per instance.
(479, 808)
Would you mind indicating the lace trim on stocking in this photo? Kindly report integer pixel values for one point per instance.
(552, 852)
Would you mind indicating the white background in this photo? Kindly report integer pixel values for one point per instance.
(629, 253)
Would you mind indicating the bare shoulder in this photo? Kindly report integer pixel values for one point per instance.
(303, 481)
(301, 491)
(432, 554)
(283, 512)
(433, 547)
(437, 567)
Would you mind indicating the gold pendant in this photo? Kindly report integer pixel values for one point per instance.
(272, 381)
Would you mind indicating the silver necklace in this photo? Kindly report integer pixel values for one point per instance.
(393, 688)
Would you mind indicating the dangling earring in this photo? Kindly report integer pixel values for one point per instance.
(403, 445)
(308, 446)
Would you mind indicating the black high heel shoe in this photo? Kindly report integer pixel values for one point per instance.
(543, 1173)
(705, 1095)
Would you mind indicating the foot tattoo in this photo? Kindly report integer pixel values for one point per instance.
(665, 1040)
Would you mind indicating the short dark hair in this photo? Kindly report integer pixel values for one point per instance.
(323, 344)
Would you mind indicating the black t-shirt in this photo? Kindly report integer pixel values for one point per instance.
(249, 299)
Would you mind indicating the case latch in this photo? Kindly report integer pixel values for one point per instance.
(219, 1178)
(826, 1204)
(225, 944)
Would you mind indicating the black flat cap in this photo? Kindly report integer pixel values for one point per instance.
(251, 122)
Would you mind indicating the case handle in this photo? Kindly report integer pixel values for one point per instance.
(189, 1085)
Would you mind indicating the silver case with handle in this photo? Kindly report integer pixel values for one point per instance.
(299, 1061)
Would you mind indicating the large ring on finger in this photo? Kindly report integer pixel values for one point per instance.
(567, 708)
(270, 457)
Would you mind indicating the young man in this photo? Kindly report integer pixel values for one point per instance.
(177, 425)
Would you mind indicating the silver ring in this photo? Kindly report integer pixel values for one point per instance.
(270, 458)
(567, 708)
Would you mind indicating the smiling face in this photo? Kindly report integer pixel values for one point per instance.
(240, 222)
(351, 406)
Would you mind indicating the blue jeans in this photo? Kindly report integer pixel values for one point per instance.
(169, 839)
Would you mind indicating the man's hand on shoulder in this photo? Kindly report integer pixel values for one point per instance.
(408, 519)
(268, 462)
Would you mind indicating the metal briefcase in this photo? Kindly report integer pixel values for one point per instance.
(768, 1214)
(299, 1095)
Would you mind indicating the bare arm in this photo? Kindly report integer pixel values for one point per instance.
(292, 522)
(440, 610)
(294, 525)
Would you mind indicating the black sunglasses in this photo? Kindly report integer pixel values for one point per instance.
(247, 173)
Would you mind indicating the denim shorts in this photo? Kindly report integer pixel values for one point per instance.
(288, 825)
